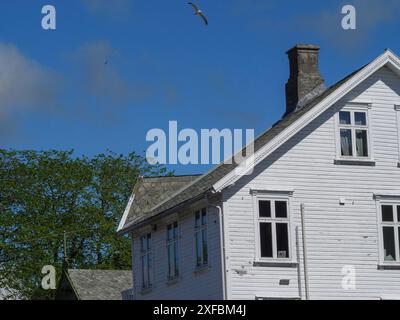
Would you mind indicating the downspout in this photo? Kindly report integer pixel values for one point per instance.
(222, 246)
(298, 263)
(303, 232)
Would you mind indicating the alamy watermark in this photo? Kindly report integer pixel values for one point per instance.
(49, 21)
(212, 146)
(349, 21)
(49, 279)
(349, 277)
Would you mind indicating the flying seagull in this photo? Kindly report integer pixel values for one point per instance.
(199, 13)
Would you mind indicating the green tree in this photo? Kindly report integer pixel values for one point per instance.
(45, 196)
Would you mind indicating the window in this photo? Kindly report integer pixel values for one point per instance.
(146, 261)
(390, 224)
(397, 108)
(201, 238)
(172, 248)
(353, 134)
(273, 221)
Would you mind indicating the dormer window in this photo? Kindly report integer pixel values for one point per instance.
(353, 132)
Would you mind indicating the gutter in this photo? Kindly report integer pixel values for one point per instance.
(222, 246)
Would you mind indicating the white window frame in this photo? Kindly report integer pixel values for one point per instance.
(146, 254)
(260, 196)
(200, 229)
(397, 109)
(396, 224)
(353, 108)
(174, 241)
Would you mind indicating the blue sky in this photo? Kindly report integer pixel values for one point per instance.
(163, 64)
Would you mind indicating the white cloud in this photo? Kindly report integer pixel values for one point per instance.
(100, 77)
(24, 83)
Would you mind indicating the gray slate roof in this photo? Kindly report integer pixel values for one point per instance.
(100, 284)
(151, 191)
(204, 183)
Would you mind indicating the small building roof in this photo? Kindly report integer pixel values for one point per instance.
(151, 191)
(94, 284)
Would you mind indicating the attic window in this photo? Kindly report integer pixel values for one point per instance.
(353, 134)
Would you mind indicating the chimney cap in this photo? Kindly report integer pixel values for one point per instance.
(310, 47)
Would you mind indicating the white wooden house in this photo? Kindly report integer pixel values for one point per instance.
(318, 218)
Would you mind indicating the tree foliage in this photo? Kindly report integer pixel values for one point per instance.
(46, 195)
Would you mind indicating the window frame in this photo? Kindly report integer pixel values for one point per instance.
(395, 224)
(149, 254)
(173, 241)
(261, 196)
(354, 108)
(397, 109)
(200, 229)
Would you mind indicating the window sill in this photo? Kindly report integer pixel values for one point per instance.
(145, 291)
(173, 281)
(385, 266)
(276, 264)
(201, 269)
(354, 162)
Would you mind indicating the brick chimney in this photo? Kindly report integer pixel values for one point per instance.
(305, 82)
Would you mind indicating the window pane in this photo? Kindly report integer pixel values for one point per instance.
(282, 240)
(176, 255)
(144, 272)
(171, 260)
(362, 143)
(175, 231)
(204, 217)
(198, 219)
(143, 243)
(149, 241)
(170, 233)
(205, 247)
(150, 269)
(389, 244)
(280, 209)
(198, 248)
(346, 143)
(345, 117)
(266, 240)
(360, 118)
(387, 213)
(398, 214)
(264, 208)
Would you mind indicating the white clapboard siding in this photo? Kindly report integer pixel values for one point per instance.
(204, 285)
(337, 236)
